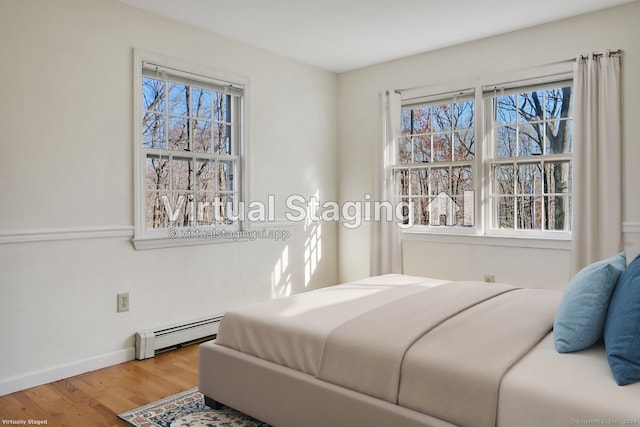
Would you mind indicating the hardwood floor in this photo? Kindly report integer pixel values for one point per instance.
(96, 398)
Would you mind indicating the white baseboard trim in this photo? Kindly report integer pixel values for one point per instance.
(71, 233)
(44, 376)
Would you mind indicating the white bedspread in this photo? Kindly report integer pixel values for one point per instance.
(542, 387)
(292, 331)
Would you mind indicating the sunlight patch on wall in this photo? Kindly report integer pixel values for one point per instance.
(281, 276)
(312, 250)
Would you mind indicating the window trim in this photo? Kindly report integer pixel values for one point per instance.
(143, 239)
(557, 72)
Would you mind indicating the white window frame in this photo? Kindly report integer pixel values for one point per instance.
(433, 99)
(145, 238)
(482, 232)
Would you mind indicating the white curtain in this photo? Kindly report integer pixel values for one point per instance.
(386, 248)
(597, 181)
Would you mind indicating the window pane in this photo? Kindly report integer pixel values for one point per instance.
(558, 103)
(178, 133)
(458, 206)
(505, 110)
(154, 131)
(404, 150)
(180, 207)
(443, 210)
(504, 213)
(464, 148)
(419, 182)
(503, 179)
(201, 136)
(421, 149)
(421, 120)
(558, 137)
(205, 175)
(530, 106)
(153, 94)
(506, 145)
(529, 213)
(226, 175)
(461, 180)
(463, 115)
(558, 177)
(222, 139)
(156, 214)
(440, 181)
(405, 121)
(181, 174)
(465, 217)
(202, 103)
(206, 209)
(401, 182)
(531, 139)
(420, 211)
(157, 173)
(178, 99)
(558, 214)
(222, 107)
(529, 179)
(442, 147)
(227, 209)
(168, 209)
(442, 119)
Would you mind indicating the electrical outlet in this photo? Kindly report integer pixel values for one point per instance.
(123, 302)
(489, 278)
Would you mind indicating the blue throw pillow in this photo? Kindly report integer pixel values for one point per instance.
(582, 312)
(622, 329)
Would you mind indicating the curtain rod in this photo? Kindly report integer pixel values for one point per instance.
(610, 53)
(552, 65)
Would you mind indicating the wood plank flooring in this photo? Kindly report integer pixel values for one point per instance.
(96, 398)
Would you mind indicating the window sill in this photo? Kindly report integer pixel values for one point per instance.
(557, 243)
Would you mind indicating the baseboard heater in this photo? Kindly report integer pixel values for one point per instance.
(154, 341)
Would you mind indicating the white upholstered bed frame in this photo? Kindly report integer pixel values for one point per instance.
(544, 388)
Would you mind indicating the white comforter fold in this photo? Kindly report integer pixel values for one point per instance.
(365, 354)
(440, 348)
(460, 364)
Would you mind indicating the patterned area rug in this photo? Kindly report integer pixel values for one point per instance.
(187, 409)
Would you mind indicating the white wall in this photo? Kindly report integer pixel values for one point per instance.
(66, 171)
(359, 130)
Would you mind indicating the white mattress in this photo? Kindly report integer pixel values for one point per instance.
(547, 388)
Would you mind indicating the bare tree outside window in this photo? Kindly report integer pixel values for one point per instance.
(531, 172)
(435, 169)
(190, 153)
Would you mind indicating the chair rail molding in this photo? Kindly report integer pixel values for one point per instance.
(69, 233)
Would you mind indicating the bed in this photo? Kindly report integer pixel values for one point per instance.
(398, 350)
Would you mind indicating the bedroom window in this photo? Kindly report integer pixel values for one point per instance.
(530, 162)
(189, 153)
(495, 159)
(435, 167)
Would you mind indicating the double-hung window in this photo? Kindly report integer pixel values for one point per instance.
(189, 151)
(491, 160)
(435, 172)
(530, 159)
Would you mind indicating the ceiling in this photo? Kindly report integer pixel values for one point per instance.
(340, 35)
